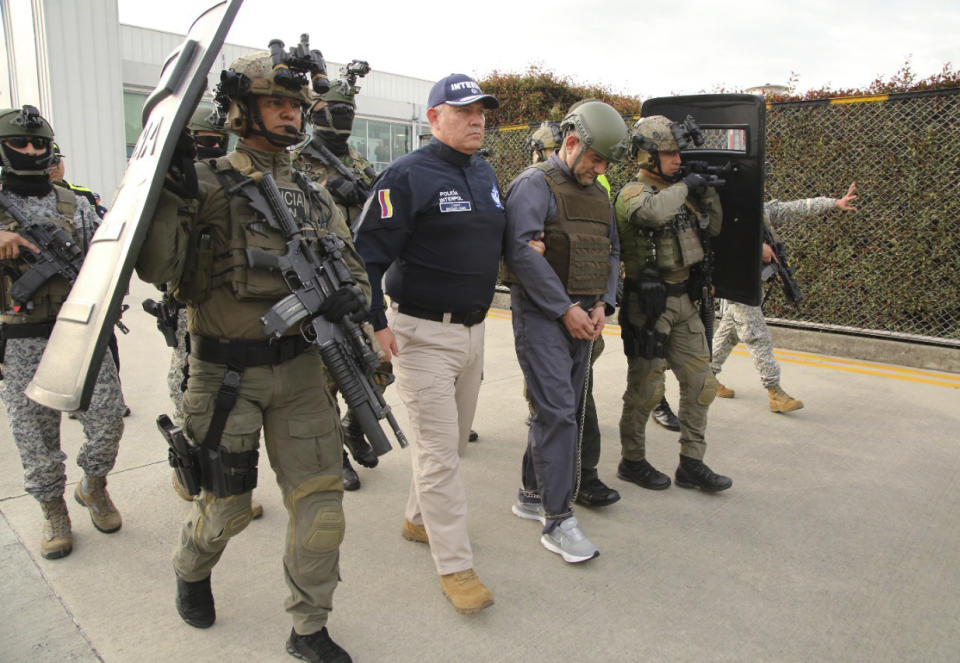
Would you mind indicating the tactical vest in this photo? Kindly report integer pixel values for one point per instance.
(48, 299)
(214, 259)
(577, 237)
(677, 243)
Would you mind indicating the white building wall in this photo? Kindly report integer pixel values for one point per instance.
(86, 90)
(63, 56)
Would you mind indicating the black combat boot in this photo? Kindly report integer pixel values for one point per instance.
(664, 416)
(195, 602)
(693, 473)
(316, 648)
(353, 438)
(643, 474)
(351, 481)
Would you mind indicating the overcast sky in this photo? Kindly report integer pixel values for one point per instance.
(631, 46)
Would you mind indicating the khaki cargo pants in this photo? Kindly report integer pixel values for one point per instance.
(301, 430)
(689, 358)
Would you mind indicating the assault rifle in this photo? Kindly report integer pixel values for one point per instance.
(780, 266)
(59, 255)
(705, 269)
(316, 149)
(714, 175)
(313, 272)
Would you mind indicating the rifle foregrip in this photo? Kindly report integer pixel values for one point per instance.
(348, 382)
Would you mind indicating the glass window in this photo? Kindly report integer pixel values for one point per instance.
(358, 137)
(132, 110)
(378, 141)
(400, 140)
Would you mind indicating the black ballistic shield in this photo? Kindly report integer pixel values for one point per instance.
(734, 129)
(68, 371)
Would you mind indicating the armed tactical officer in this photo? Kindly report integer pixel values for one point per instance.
(434, 225)
(198, 244)
(329, 161)
(560, 301)
(663, 222)
(32, 298)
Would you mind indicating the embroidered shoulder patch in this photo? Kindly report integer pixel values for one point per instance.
(386, 207)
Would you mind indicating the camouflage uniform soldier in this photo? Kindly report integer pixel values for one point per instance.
(660, 218)
(197, 244)
(332, 119)
(745, 323)
(27, 155)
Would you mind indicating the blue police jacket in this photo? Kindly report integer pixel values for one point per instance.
(434, 225)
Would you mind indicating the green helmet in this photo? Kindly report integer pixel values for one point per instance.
(205, 119)
(652, 135)
(26, 122)
(546, 137)
(254, 75)
(600, 127)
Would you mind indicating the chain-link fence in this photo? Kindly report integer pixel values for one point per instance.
(891, 268)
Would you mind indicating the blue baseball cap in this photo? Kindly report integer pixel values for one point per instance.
(459, 90)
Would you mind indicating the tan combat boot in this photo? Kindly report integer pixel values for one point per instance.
(92, 493)
(56, 540)
(781, 401)
(413, 532)
(465, 591)
(724, 392)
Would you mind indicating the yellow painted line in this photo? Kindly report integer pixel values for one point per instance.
(884, 372)
(817, 361)
(513, 127)
(859, 100)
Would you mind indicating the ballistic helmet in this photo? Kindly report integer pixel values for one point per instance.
(205, 119)
(652, 135)
(22, 123)
(600, 127)
(546, 137)
(254, 75)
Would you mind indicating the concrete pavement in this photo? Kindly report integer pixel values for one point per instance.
(839, 540)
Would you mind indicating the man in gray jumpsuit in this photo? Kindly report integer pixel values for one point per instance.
(560, 301)
(25, 326)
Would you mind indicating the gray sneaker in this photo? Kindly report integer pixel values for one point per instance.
(530, 509)
(568, 541)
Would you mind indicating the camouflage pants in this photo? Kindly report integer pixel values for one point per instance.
(745, 323)
(36, 429)
(177, 375)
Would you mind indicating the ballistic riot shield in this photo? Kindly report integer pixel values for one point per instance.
(68, 370)
(733, 129)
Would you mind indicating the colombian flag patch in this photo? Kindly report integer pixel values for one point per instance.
(386, 207)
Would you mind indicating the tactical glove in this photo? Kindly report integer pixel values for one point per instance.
(653, 293)
(182, 174)
(345, 192)
(695, 183)
(348, 300)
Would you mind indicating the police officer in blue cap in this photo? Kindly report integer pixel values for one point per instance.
(434, 227)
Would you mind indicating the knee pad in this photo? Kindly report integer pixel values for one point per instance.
(658, 391)
(708, 391)
(325, 533)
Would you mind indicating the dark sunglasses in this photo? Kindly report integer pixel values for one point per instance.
(20, 142)
(208, 141)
